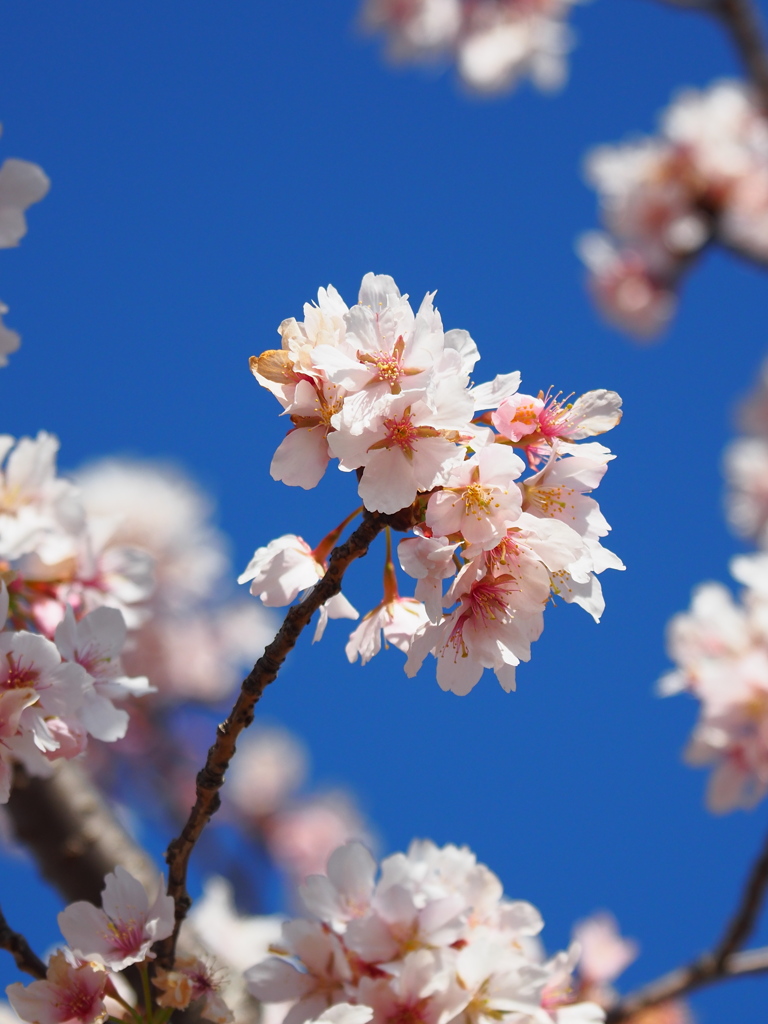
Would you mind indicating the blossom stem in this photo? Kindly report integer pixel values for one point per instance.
(26, 959)
(211, 778)
(328, 542)
(147, 991)
(717, 965)
(391, 592)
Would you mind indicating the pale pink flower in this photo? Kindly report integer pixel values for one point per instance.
(396, 621)
(478, 498)
(302, 838)
(430, 560)
(72, 993)
(124, 930)
(191, 979)
(286, 567)
(604, 953)
(270, 765)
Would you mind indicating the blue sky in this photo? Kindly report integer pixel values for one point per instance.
(212, 166)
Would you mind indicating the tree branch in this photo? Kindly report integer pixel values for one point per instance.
(26, 959)
(717, 965)
(211, 778)
(72, 832)
(741, 22)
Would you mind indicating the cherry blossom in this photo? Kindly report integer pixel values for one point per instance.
(433, 450)
(192, 979)
(431, 939)
(703, 178)
(493, 43)
(123, 931)
(72, 993)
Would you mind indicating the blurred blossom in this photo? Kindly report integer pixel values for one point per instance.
(703, 178)
(604, 953)
(158, 509)
(430, 938)
(494, 43)
(720, 648)
(301, 838)
(192, 646)
(271, 764)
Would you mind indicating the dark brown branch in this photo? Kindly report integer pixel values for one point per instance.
(26, 959)
(73, 834)
(211, 778)
(743, 922)
(687, 979)
(742, 23)
(717, 965)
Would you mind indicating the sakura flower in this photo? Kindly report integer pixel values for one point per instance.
(431, 940)
(396, 620)
(604, 953)
(124, 930)
(269, 767)
(189, 980)
(72, 993)
(9, 340)
(430, 560)
(95, 643)
(404, 450)
(478, 498)
(286, 567)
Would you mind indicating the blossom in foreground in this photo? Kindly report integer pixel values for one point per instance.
(433, 450)
(704, 178)
(124, 929)
(494, 43)
(72, 993)
(428, 938)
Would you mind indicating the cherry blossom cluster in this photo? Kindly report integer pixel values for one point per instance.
(61, 640)
(431, 940)
(720, 649)
(703, 178)
(192, 639)
(720, 646)
(21, 184)
(83, 985)
(493, 42)
(388, 393)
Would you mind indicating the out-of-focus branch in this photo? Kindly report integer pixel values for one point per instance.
(741, 22)
(73, 834)
(684, 980)
(743, 922)
(26, 959)
(717, 965)
(211, 778)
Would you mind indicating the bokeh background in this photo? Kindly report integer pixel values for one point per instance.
(212, 165)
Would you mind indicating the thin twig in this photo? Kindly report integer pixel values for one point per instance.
(716, 965)
(211, 778)
(26, 959)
